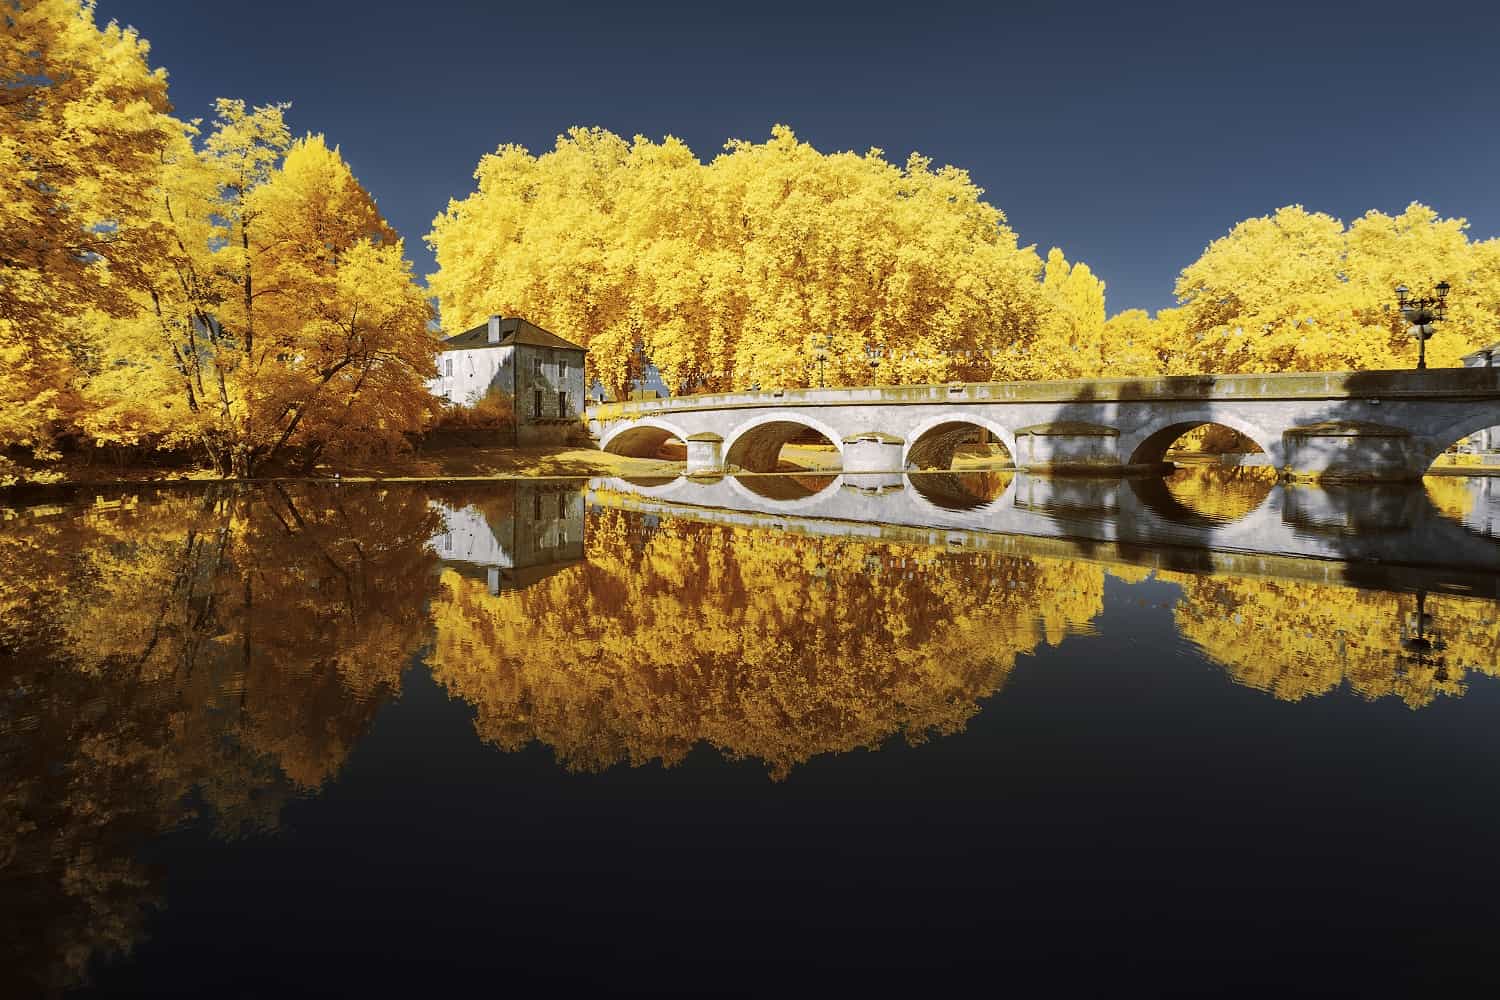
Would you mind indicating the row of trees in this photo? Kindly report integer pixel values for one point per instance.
(220, 288)
(167, 283)
(738, 272)
(726, 274)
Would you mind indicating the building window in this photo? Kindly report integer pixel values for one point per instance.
(536, 403)
(448, 367)
(536, 506)
(536, 367)
(562, 405)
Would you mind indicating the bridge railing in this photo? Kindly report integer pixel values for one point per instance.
(1444, 383)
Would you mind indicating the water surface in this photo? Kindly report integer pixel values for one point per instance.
(759, 736)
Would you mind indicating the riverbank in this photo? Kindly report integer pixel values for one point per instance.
(505, 462)
(451, 462)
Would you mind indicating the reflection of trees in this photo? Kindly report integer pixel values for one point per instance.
(209, 655)
(760, 644)
(1297, 640)
(1453, 496)
(1223, 493)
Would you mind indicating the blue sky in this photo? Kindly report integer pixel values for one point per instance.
(1130, 135)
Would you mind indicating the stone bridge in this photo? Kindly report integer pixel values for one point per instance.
(1333, 425)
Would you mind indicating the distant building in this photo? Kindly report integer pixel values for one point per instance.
(1487, 440)
(538, 371)
(649, 384)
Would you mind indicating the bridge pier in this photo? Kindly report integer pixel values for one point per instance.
(872, 451)
(705, 454)
(1068, 446)
(1352, 451)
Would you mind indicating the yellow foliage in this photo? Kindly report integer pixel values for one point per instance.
(771, 647)
(732, 274)
(1299, 291)
(83, 125)
(240, 294)
(1299, 640)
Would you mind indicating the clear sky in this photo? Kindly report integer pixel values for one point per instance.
(1129, 134)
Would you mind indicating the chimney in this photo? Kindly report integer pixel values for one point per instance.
(494, 329)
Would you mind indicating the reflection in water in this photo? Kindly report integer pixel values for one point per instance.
(1223, 493)
(787, 486)
(775, 647)
(208, 657)
(1298, 640)
(1472, 500)
(962, 490)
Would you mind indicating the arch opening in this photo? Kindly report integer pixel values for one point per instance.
(646, 441)
(1453, 482)
(783, 446)
(1221, 474)
(959, 446)
(1200, 442)
(1479, 448)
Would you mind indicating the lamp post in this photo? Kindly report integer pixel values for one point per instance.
(873, 355)
(1422, 313)
(823, 347)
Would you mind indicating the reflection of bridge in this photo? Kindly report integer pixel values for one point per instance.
(1378, 537)
(1352, 425)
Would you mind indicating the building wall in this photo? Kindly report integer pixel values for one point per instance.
(541, 375)
(476, 372)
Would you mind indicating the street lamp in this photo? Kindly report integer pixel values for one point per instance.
(1422, 313)
(873, 355)
(824, 346)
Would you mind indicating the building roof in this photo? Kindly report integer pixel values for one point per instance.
(513, 331)
(1490, 350)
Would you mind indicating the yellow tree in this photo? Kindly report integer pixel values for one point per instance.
(83, 122)
(1298, 291)
(1071, 340)
(287, 311)
(344, 352)
(734, 273)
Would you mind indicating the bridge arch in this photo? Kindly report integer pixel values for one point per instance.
(931, 443)
(1481, 418)
(641, 438)
(1149, 445)
(755, 446)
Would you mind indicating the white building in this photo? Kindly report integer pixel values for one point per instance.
(540, 373)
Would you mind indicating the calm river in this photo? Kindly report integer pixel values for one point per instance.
(763, 736)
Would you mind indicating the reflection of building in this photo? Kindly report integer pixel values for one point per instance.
(1484, 515)
(1486, 441)
(540, 373)
(540, 533)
